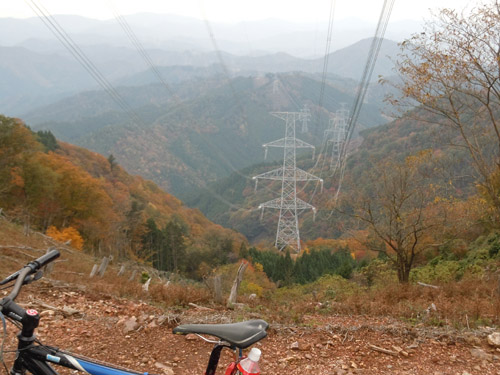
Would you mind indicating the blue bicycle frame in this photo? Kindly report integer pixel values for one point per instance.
(37, 359)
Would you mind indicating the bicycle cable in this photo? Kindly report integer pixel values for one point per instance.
(39, 342)
(4, 337)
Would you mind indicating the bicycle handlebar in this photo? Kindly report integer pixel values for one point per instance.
(34, 265)
(17, 286)
(47, 258)
(29, 269)
(9, 308)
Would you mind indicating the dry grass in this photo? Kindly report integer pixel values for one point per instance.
(473, 301)
(470, 302)
(74, 267)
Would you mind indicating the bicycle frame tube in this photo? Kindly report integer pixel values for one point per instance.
(36, 359)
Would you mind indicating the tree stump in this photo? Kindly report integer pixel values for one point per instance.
(94, 271)
(121, 271)
(236, 284)
(132, 277)
(218, 288)
(103, 266)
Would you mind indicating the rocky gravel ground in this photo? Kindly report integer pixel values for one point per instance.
(139, 336)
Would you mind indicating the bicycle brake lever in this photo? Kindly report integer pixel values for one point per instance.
(30, 278)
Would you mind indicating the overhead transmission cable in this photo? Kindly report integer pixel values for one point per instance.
(216, 49)
(79, 55)
(326, 59)
(59, 32)
(285, 91)
(139, 47)
(363, 87)
(361, 92)
(323, 83)
(228, 76)
(376, 44)
(327, 52)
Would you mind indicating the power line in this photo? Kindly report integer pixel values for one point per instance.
(284, 90)
(59, 32)
(139, 47)
(363, 86)
(216, 47)
(327, 52)
(326, 58)
(361, 92)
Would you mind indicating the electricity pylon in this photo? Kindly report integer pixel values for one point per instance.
(336, 134)
(289, 205)
(306, 116)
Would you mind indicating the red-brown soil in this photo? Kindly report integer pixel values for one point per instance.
(101, 326)
(86, 317)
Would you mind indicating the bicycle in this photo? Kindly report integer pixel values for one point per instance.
(37, 358)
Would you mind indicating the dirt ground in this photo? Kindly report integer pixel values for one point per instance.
(139, 336)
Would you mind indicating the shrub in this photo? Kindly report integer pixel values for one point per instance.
(378, 272)
(144, 277)
(247, 287)
(494, 249)
(66, 234)
(444, 271)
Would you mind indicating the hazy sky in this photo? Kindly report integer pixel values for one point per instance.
(237, 10)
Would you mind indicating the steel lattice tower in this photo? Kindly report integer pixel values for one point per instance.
(289, 205)
(305, 117)
(336, 134)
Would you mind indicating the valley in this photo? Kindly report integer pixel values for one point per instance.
(339, 179)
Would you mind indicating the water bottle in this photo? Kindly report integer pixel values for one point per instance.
(250, 364)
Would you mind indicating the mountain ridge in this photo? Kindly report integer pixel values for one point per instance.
(120, 65)
(56, 187)
(218, 128)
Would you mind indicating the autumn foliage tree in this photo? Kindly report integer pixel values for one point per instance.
(395, 211)
(66, 234)
(79, 195)
(17, 145)
(451, 70)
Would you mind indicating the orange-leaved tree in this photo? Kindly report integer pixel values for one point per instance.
(66, 234)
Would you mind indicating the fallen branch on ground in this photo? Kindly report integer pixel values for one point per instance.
(382, 350)
(22, 248)
(65, 311)
(427, 285)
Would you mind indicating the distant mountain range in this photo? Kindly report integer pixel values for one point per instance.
(203, 130)
(210, 115)
(178, 33)
(31, 79)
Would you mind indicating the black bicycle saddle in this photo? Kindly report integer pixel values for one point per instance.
(241, 335)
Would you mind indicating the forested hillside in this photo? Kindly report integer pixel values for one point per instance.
(78, 195)
(203, 130)
(401, 244)
(382, 145)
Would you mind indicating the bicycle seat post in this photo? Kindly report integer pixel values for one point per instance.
(213, 361)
